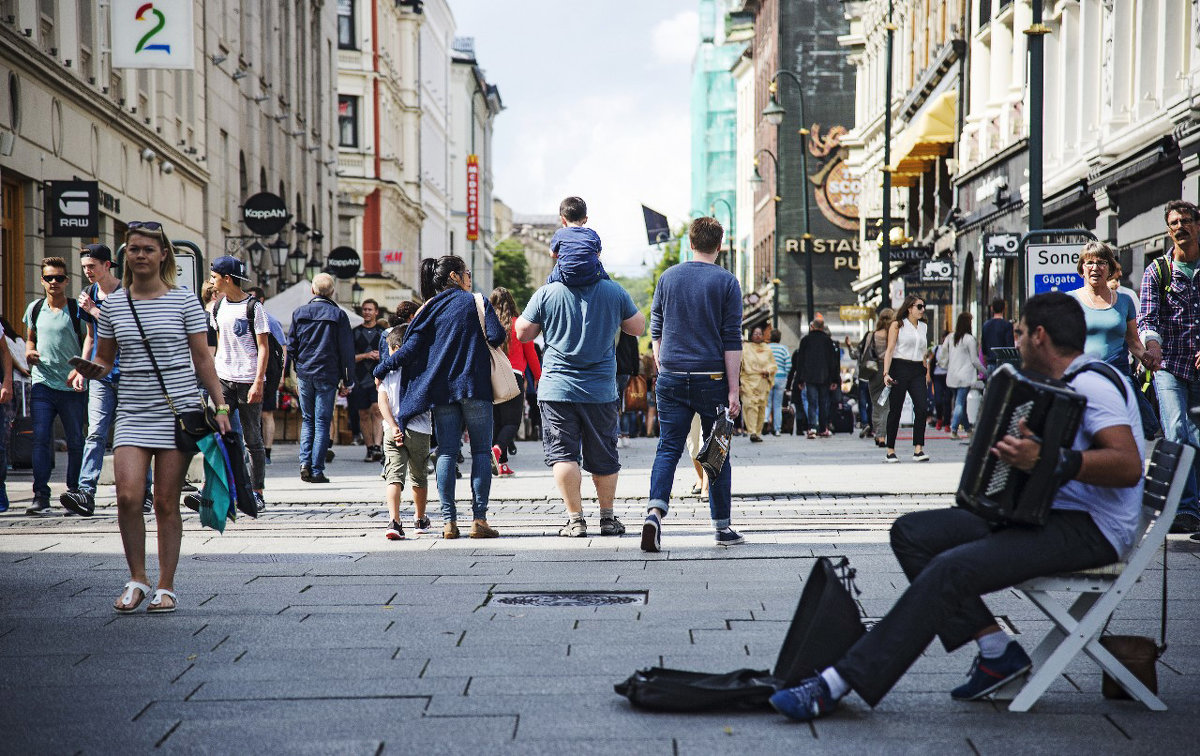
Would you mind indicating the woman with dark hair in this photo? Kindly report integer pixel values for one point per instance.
(507, 416)
(877, 341)
(904, 370)
(757, 375)
(161, 332)
(963, 368)
(447, 369)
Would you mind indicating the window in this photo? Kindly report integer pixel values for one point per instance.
(345, 25)
(86, 30)
(985, 12)
(347, 121)
(46, 26)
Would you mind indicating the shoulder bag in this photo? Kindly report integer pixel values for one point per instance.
(504, 380)
(190, 426)
(868, 363)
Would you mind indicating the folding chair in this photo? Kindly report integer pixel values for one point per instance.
(1099, 591)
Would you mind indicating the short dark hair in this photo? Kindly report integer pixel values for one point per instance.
(1181, 206)
(573, 209)
(395, 336)
(405, 310)
(1061, 317)
(368, 301)
(705, 234)
(776, 336)
(257, 292)
(998, 306)
(54, 262)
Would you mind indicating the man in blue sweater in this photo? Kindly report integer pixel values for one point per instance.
(695, 326)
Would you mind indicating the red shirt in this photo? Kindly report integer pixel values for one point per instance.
(522, 355)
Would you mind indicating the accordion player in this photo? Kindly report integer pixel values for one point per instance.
(997, 491)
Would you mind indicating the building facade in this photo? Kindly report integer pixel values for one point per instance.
(714, 120)
(436, 39)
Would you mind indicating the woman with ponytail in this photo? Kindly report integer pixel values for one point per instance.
(447, 370)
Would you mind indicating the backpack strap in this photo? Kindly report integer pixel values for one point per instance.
(1163, 266)
(72, 312)
(33, 318)
(1104, 369)
(250, 302)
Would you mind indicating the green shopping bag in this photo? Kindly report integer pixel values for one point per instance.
(215, 496)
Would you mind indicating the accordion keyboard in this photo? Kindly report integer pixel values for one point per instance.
(1002, 469)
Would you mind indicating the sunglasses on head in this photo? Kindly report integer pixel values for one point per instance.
(147, 225)
(54, 278)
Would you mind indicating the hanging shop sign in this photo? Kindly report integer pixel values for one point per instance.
(1052, 267)
(937, 271)
(343, 262)
(158, 34)
(897, 254)
(1003, 245)
(472, 197)
(391, 256)
(856, 312)
(74, 208)
(265, 214)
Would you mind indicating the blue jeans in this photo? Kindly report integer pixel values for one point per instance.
(448, 422)
(316, 413)
(1175, 396)
(818, 406)
(7, 411)
(775, 403)
(959, 415)
(71, 408)
(679, 398)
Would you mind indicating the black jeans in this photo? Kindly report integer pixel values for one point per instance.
(952, 558)
(247, 419)
(506, 419)
(910, 379)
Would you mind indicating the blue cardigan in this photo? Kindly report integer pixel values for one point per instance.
(444, 355)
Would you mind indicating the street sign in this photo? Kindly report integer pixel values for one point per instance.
(1052, 267)
(937, 271)
(856, 312)
(74, 208)
(910, 253)
(343, 262)
(1001, 245)
(265, 213)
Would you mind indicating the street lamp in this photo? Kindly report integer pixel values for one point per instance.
(255, 249)
(774, 113)
(279, 252)
(356, 293)
(712, 208)
(295, 263)
(313, 267)
(757, 180)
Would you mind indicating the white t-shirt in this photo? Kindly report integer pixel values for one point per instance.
(422, 423)
(237, 348)
(912, 342)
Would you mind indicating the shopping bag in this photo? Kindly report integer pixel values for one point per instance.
(214, 496)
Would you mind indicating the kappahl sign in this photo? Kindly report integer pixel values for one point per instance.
(156, 34)
(265, 214)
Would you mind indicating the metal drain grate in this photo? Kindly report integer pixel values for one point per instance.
(569, 598)
(275, 558)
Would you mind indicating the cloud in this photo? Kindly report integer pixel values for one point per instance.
(674, 39)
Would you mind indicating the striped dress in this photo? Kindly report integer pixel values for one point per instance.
(144, 418)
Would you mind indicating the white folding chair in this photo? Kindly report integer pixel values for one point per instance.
(1099, 591)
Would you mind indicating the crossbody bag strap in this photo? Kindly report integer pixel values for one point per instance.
(146, 345)
(479, 311)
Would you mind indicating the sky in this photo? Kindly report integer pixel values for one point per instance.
(596, 98)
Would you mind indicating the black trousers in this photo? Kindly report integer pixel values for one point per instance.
(506, 419)
(910, 379)
(952, 558)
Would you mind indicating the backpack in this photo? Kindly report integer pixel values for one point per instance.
(635, 394)
(275, 349)
(72, 310)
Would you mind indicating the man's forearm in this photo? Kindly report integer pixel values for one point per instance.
(733, 369)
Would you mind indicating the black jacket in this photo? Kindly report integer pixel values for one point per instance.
(815, 361)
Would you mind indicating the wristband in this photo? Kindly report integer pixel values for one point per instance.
(222, 409)
(1069, 462)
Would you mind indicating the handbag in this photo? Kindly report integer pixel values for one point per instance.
(635, 394)
(1138, 653)
(504, 380)
(868, 362)
(190, 426)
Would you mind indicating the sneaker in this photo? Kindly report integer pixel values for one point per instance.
(987, 675)
(920, 456)
(40, 507)
(357, 440)
(369, 455)
(318, 478)
(652, 534)
(805, 702)
(611, 526)
(422, 525)
(576, 527)
(755, 438)
(329, 455)
(495, 460)
(954, 435)
(505, 470)
(891, 458)
(1185, 523)
(729, 537)
(192, 502)
(147, 503)
(480, 529)
(811, 434)
(825, 433)
(395, 531)
(306, 473)
(450, 531)
(79, 502)
(259, 503)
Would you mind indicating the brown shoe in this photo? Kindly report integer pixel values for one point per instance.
(450, 530)
(480, 529)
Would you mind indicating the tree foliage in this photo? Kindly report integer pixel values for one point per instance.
(511, 270)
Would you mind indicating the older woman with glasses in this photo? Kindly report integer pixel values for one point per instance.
(905, 372)
(1111, 318)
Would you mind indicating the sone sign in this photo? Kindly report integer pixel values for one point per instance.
(1052, 267)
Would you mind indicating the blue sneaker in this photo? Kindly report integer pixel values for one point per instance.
(652, 534)
(805, 702)
(729, 537)
(989, 674)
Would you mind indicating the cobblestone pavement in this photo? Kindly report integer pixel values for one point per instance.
(305, 631)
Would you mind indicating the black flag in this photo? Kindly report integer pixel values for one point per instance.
(657, 228)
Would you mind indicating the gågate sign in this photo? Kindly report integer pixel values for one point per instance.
(1052, 267)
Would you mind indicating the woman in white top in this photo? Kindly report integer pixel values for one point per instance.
(904, 371)
(963, 368)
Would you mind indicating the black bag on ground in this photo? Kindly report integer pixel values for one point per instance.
(20, 443)
(243, 492)
(824, 627)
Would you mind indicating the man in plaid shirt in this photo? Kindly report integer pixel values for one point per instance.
(1170, 327)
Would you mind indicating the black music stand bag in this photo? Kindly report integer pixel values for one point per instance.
(825, 625)
(243, 493)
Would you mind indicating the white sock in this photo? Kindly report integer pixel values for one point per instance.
(837, 686)
(992, 645)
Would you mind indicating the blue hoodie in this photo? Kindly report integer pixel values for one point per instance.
(578, 251)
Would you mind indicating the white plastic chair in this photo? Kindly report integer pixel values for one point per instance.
(1099, 591)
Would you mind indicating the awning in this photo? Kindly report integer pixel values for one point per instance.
(928, 136)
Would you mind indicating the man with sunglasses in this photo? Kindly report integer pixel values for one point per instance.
(56, 332)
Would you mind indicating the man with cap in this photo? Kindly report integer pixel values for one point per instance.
(96, 261)
(243, 350)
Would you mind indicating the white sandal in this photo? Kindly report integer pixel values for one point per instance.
(156, 606)
(128, 605)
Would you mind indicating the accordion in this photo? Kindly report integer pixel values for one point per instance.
(995, 490)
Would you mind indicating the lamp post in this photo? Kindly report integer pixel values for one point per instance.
(255, 250)
(757, 180)
(356, 293)
(312, 267)
(885, 249)
(1036, 33)
(295, 263)
(712, 208)
(774, 113)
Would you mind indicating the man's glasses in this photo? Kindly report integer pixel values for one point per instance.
(55, 278)
(147, 225)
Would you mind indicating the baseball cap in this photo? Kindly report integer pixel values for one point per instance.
(99, 252)
(228, 265)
